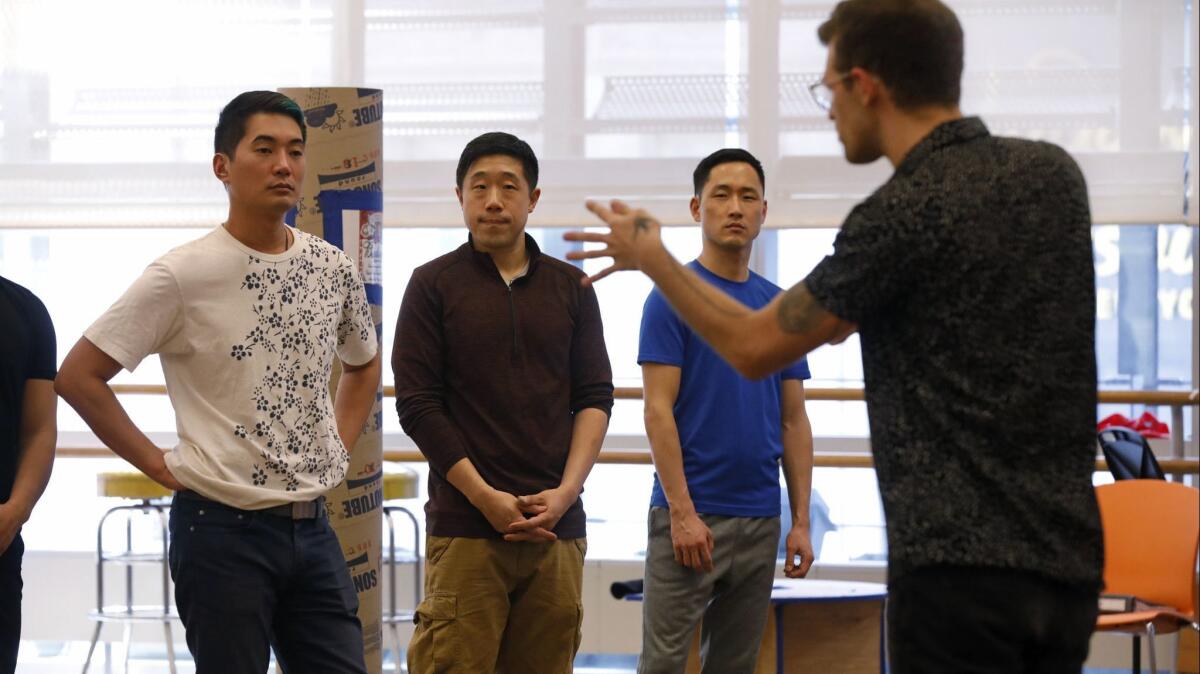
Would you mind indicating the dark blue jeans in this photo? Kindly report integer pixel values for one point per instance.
(249, 581)
(10, 605)
(976, 620)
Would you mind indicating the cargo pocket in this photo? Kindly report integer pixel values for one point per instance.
(436, 639)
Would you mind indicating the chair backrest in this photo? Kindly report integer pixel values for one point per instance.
(1151, 538)
(1128, 455)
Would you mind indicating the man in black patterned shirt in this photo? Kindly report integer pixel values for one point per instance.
(969, 278)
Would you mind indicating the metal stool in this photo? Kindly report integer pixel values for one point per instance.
(398, 485)
(132, 485)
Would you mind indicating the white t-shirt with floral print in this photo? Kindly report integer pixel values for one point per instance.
(247, 342)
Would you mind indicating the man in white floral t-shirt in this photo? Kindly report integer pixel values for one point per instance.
(247, 321)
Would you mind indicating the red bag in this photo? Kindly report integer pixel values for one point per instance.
(1150, 427)
(1119, 420)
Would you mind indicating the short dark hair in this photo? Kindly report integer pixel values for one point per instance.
(914, 46)
(725, 156)
(231, 125)
(498, 142)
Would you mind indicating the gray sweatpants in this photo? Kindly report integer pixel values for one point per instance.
(733, 599)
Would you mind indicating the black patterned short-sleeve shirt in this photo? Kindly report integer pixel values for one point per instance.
(970, 276)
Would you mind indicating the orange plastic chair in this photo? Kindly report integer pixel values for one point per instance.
(1151, 539)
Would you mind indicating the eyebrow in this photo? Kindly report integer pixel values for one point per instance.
(723, 186)
(506, 174)
(265, 138)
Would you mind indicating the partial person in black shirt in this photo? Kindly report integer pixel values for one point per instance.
(969, 278)
(28, 432)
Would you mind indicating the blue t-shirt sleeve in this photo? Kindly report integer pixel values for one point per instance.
(662, 335)
(797, 370)
(43, 361)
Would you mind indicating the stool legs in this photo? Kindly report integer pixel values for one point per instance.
(126, 640)
(394, 615)
(1150, 630)
(170, 645)
(92, 647)
(129, 613)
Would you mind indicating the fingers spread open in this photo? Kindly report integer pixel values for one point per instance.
(589, 254)
(599, 209)
(593, 237)
(601, 274)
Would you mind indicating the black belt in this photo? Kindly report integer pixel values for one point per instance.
(298, 510)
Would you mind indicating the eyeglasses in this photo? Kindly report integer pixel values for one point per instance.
(822, 91)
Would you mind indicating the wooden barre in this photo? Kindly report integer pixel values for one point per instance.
(1181, 398)
(634, 457)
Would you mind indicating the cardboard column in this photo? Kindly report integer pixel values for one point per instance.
(341, 201)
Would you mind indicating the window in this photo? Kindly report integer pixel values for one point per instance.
(451, 71)
(104, 161)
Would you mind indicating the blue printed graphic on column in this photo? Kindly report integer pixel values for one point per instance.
(352, 221)
(362, 572)
(371, 498)
(326, 116)
(368, 114)
(344, 176)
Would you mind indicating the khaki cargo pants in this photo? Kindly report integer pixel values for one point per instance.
(496, 606)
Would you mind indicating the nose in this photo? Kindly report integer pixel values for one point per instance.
(283, 164)
(493, 200)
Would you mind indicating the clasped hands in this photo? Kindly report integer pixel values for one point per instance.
(527, 518)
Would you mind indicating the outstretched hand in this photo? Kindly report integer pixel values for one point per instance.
(631, 234)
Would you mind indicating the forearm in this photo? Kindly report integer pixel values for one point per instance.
(587, 436)
(467, 480)
(756, 343)
(98, 406)
(667, 454)
(356, 393)
(797, 469)
(421, 407)
(431, 427)
(34, 464)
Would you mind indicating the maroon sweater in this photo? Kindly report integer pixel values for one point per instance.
(496, 374)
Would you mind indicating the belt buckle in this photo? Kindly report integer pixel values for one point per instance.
(307, 510)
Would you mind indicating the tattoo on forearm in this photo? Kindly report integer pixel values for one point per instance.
(640, 224)
(799, 310)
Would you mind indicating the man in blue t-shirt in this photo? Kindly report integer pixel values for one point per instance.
(718, 440)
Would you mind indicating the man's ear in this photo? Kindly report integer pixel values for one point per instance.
(220, 164)
(694, 205)
(867, 87)
(533, 198)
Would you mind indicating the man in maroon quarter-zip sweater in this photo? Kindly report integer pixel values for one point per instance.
(503, 381)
